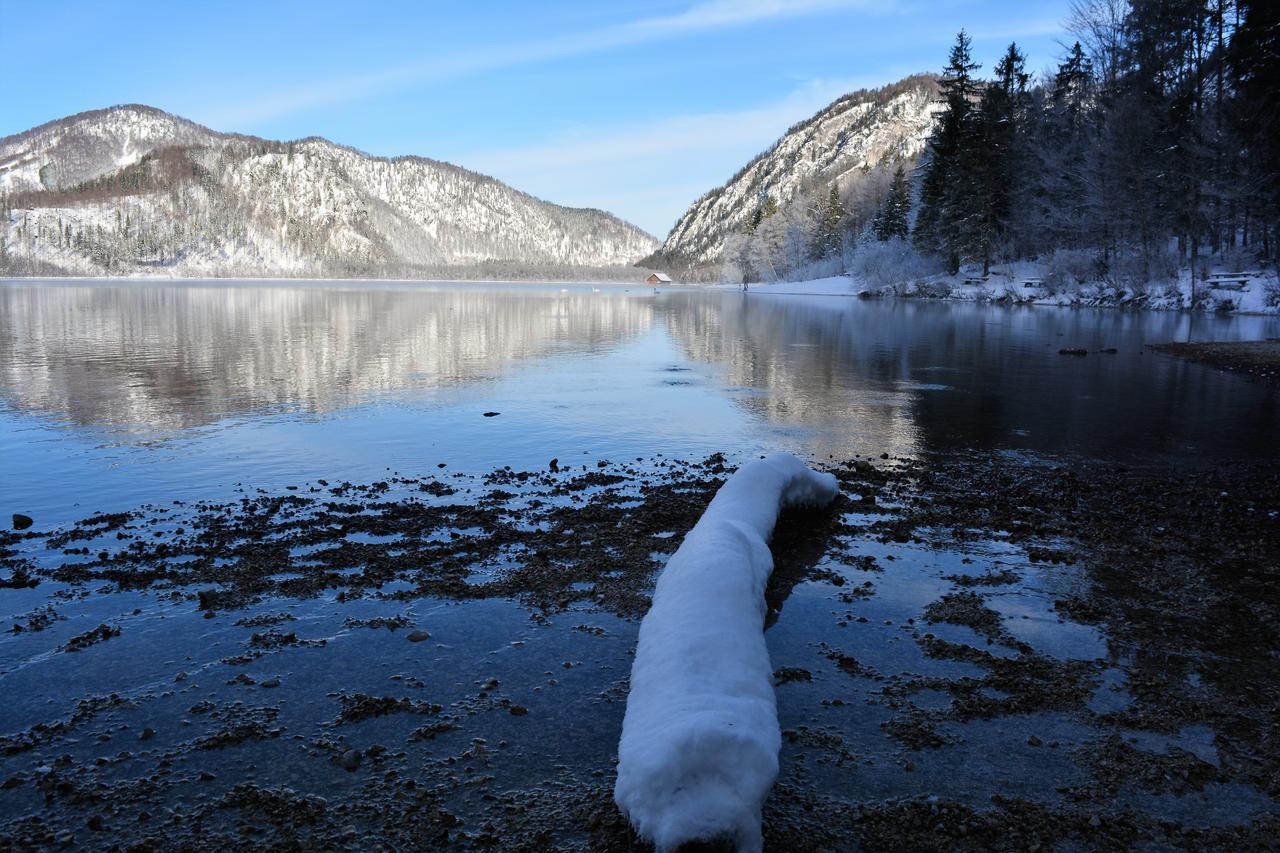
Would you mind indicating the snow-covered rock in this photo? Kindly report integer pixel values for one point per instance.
(856, 132)
(700, 740)
(133, 189)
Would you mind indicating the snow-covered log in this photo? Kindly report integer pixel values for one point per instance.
(700, 740)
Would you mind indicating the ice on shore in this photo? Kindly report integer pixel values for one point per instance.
(700, 740)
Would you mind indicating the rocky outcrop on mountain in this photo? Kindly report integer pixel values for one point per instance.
(132, 189)
(854, 134)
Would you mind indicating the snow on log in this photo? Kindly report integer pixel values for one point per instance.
(700, 740)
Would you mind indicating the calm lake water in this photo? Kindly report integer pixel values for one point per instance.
(114, 394)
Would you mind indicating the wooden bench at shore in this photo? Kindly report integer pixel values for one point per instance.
(1229, 280)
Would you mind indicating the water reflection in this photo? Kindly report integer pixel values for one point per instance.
(823, 375)
(919, 376)
(159, 359)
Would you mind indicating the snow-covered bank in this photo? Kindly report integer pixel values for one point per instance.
(700, 740)
(1259, 293)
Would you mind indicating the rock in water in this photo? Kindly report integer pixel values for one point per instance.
(21, 522)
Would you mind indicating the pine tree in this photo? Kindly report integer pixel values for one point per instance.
(990, 161)
(936, 228)
(1254, 70)
(1057, 196)
(829, 234)
(765, 208)
(892, 220)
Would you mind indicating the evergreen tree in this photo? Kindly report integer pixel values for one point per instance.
(892, 220)
(829, 233)
(1057, 199)
(990, 161)
(936, 230)
(1254, 71)
(765, 208)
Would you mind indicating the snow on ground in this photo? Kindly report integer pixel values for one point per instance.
(840, 285)
(1260, 294)
(700, 740)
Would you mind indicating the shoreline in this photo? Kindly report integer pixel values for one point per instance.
(441, 660)
(816, 287)
(125, 279)
(1255, 359)
(846, 286)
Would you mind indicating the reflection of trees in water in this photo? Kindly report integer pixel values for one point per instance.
(158, 358)
(807, 361)
(876, 368)
(164, 358)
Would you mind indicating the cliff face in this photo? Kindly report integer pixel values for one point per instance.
(854, 133)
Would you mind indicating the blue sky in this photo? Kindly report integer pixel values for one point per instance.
(636, 108)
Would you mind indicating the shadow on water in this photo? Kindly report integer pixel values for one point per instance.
(801, 539)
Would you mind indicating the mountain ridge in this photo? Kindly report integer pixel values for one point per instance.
(856, 131)
(99, 178)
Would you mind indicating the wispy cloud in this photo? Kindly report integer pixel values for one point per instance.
(706, 16)
(715, 14)
(619, 167)
(1021, 30)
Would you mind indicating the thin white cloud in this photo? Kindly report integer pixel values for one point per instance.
(715, 14)
(617, 168)
(1023, 30)
(667, 136)
(706, 16)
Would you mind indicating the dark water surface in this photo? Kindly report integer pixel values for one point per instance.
(115, 394)
(119, 395)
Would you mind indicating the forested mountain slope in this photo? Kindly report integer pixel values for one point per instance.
(133, 189)
(855, 134)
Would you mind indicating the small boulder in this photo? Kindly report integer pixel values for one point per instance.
(21, 522)
(418, 636)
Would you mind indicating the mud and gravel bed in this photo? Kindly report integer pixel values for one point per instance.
(1258, 359)
(971, 652)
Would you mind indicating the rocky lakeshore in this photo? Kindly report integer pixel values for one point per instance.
(1256, 359)
(972, 651)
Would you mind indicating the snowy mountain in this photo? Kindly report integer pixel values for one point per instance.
(132, 189)
(849, 137)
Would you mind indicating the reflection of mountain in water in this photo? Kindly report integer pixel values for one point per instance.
(165, 358)
(915, 376)
(839, 376)
(806, 364)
